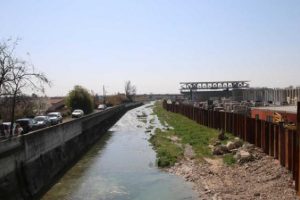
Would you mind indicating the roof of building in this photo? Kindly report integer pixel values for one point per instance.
(288, 109)
(55, 100)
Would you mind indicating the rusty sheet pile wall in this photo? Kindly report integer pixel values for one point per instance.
(274, 140)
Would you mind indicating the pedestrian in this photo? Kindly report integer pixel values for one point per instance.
(18, 130)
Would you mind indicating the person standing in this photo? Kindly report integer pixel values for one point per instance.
(18, 130)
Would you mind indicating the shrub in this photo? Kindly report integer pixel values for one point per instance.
(80, 98)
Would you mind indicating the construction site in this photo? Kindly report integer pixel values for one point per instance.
(270, 104)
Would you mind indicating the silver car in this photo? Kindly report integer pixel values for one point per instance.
(55, 117)
(77, 113)
(42, 122)
(102, 107)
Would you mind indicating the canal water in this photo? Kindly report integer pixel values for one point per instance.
(122, 166)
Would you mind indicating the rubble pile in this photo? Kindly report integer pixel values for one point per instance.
(255, 176)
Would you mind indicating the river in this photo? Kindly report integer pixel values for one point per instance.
(122, 166)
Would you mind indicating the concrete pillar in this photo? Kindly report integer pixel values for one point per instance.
(274, 97)
(290, 95)
(277, 95)
(280, 95)
(294, 92)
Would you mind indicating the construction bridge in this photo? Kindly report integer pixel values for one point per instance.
(206, 90)
(214, 85)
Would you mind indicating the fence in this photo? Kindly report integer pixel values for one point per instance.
(274, 140)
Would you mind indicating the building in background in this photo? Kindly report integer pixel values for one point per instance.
(239, 91)
(215, 90)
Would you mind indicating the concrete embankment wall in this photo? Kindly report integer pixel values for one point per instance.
(32, 162)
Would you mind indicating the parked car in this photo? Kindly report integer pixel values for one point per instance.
(102, 107)
(27, 124)
(55, 118)
(77, 113)
(42, 122)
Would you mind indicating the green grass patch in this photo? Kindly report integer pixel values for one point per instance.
(167, 152)
(198, 136)
(228, 159)
(229, 137)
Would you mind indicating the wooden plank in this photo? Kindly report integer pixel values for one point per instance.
(298, 149)
(296, 160)
(263, 136)
(286, 148)
(256, 133)
(271, 139)
(245, 133)
(267, 138)
(282, 146)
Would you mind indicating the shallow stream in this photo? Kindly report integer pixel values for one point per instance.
(122, 166)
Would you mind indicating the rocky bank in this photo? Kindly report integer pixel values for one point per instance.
(261, 177)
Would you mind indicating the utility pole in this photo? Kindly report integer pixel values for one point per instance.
(104, 95)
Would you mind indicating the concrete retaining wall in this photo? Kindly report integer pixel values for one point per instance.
(29, 164)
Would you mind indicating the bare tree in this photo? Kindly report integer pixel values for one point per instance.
(17, 75)
(130, 90)
(6, 64)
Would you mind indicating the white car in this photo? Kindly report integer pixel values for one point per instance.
(77, 113)
(102, 107)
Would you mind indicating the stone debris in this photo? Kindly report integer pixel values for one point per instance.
(217, 143)
(189, 152)
(222, 135)
(243, 156)
(255, 176)
(262, 178)
(220, 150)
(230, 145)
(235, 144)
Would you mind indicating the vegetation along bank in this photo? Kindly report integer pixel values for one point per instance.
(220, 165)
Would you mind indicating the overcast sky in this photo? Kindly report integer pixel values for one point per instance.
(156, 44)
